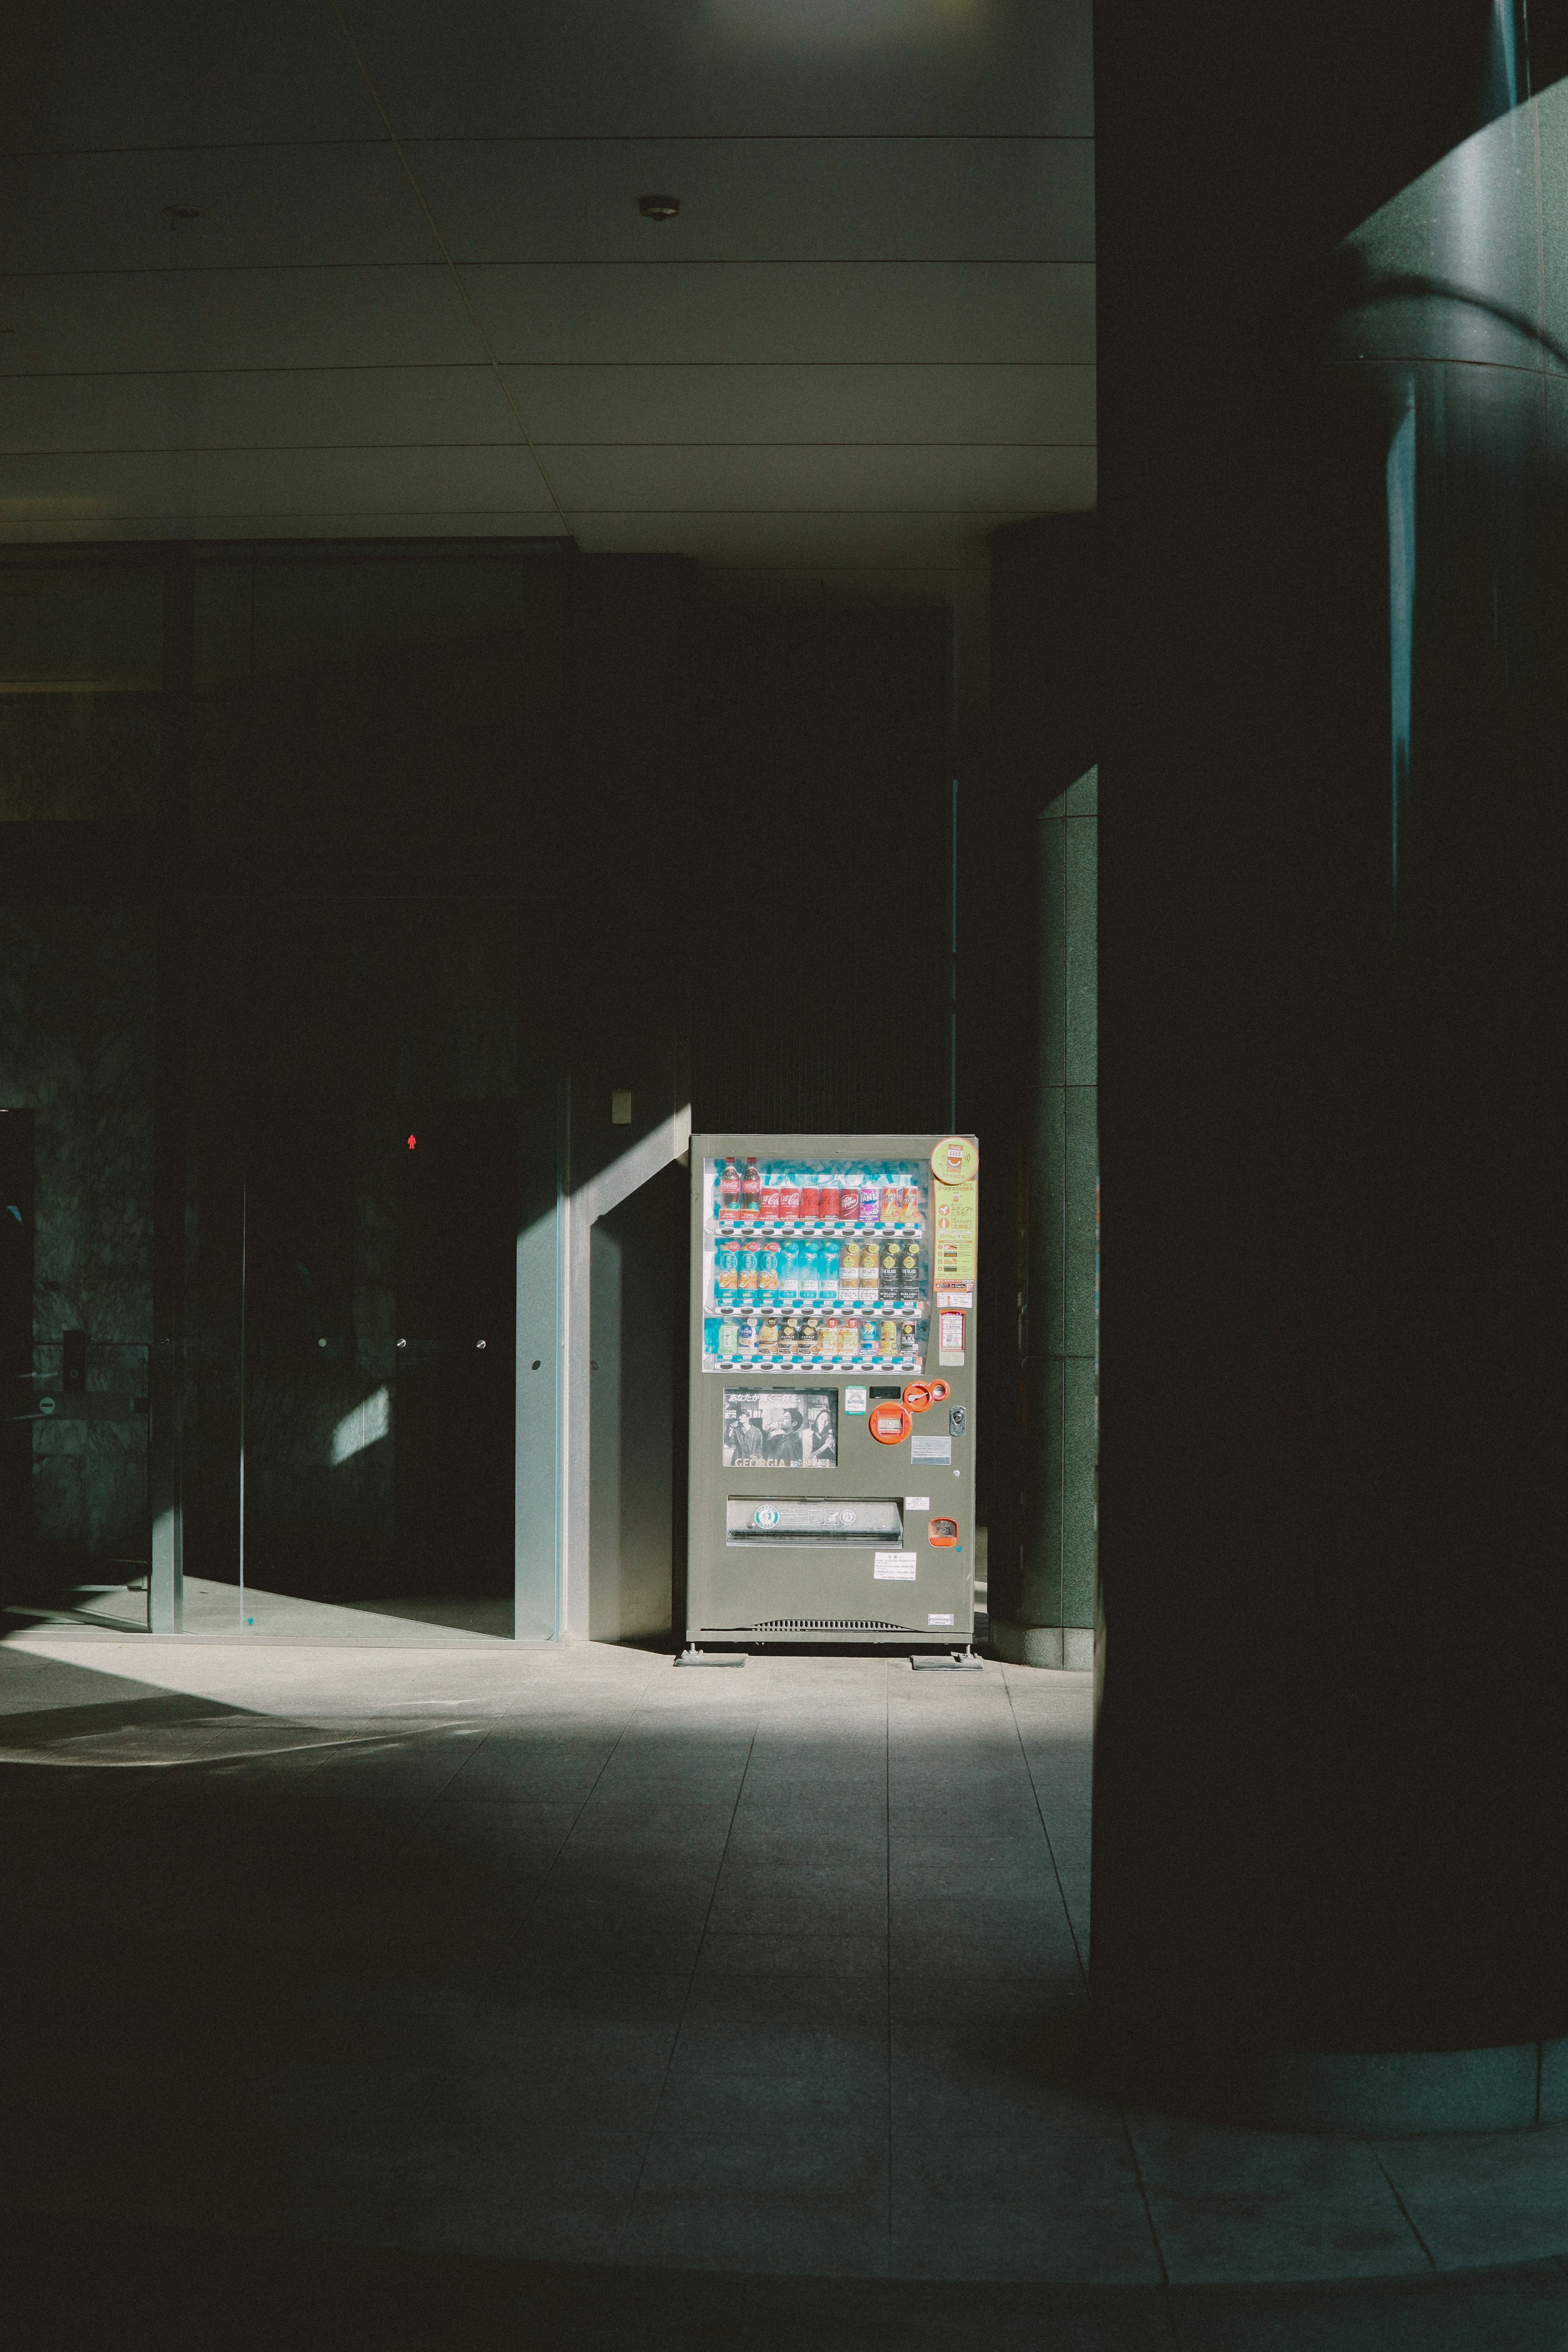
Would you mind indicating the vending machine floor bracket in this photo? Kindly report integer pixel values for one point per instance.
(955, 1661)
(695, 1657)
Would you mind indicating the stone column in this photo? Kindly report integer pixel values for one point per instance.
(1054, 1625)
(1330, 1864)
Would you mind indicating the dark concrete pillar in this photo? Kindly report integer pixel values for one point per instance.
(1059, 1325)
(1331, 1856)
(1042, 736)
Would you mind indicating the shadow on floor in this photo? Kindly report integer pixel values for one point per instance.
(82, 2279)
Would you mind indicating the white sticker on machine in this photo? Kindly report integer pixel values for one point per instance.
(899, 1567)
(934, 1619)
(930, 1449)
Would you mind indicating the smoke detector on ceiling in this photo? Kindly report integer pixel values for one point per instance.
(658, 208)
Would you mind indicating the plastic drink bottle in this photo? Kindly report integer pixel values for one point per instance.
(751, 1191)
(729, 1339)
(910, 1274)
(729, 1189)
(768, 1274)
(849, 1269)
(746, 1278)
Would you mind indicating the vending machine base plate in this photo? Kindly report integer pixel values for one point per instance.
(963, 1662)
(694, 1657)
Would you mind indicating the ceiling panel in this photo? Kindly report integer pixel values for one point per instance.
(306, 407)
(269, 317)
(860, 481)
(89, 73)
(868, 339)
(782, 310)
(802, 403)
(498, 522)
(763, 199)
(804, 542)
(187, 487)
(317, 406)
(260, 206)
(683, 67)
(572, 200)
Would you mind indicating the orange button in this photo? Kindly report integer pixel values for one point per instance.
(940, 1390)
(916, 1396)
(888, 1424)
(943, 1533)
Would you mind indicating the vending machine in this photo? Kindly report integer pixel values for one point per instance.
(832, 1418)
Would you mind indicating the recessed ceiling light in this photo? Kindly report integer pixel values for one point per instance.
(658, 208)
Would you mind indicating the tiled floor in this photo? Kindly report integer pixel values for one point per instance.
(569, 1957)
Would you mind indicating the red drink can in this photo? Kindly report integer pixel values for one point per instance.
(769, 1196)
(810, 1201)
(849, 1202)
(789, 1198)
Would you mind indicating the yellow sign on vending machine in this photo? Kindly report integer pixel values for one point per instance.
(956, 1220)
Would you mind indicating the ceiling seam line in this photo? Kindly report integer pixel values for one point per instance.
(570, 139)
(391, 367)
(456, 275)
(588, 261)
(390, 449)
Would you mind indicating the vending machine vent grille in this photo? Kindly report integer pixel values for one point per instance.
(828, 1625)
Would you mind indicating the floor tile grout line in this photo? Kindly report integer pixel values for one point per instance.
(512, 1941)
(1148, 2214)
(440, 2071)
(686, 2002)
(1399, 2201)
(1044, 1832)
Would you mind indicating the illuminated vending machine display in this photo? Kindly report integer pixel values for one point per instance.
(832, 1421)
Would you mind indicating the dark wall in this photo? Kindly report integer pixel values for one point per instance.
(76, 1050)
(819, 928)
(459, 822)
(327, 1032)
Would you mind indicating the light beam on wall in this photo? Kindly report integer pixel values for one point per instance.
(362, 1427)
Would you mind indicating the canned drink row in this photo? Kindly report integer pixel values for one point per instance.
(764, 1273)
(811, 1334)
